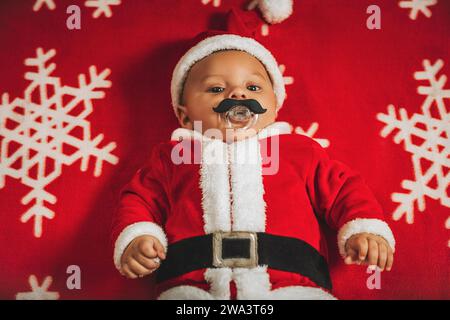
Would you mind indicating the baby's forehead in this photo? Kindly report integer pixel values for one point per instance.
(224, 59)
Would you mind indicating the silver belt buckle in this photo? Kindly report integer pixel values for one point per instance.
(220, 262)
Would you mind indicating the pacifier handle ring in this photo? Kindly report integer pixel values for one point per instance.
(251, 123)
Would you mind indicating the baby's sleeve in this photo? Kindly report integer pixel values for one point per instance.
(142, 207)
(340, 196)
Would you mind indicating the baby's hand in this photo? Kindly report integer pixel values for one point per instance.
(141, 257)
(369, 249)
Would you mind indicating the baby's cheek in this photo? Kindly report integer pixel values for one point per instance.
(266, 119)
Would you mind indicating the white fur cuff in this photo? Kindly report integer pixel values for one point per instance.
(374, 226)
(133, 231)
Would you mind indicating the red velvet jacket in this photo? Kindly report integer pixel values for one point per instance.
(275, 182)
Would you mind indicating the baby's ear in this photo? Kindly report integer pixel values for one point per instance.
(183, 117)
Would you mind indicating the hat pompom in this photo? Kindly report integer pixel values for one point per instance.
(275, 11)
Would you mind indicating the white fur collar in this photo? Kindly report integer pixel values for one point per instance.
(274, 129)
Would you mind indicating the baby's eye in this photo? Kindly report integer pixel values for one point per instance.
(216, 89)
(253, 88)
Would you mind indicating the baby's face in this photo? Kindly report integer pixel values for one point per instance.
(226, 74)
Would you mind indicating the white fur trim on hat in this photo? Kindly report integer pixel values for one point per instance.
(274, 11)
(133, 231)
(226, 42)
(374, 226)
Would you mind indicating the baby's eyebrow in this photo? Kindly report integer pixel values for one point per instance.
(207, 77)
(211, 76)
(258, 74)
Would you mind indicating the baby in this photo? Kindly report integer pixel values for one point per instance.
(226, 229)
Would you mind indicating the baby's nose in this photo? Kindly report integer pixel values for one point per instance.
(238, 93)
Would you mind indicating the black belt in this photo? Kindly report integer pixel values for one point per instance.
(246, 250)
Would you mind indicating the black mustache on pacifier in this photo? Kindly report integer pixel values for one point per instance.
(227, 104)
(239, 114)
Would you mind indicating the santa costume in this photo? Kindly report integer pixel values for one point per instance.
(242, 220)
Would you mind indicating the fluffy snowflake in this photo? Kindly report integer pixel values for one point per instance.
(46, 129)
(288, 80)
(265, 29)
(447, 226)
(39, 3)
(102, 7)
(38, 292)
(310, 132)
(215, 3)
(417, 6)
(426, 136)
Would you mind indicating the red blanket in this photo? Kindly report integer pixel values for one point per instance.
(81, 109)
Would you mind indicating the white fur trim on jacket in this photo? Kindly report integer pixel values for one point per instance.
(374, 226)
(254, 284)
(301, 293)
(219, 280)
(274, 129)
(247, 189)
(133, 231)
(215, 186)
(232, 186)
(226, 42)
(251, 284)
(185, 293)
(275, 11)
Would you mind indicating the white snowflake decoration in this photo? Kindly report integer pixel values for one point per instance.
(447, 226)
(215, 3)
(39, 3)
(310, 132)
(288, 80)
(432, 128)
(38, 292)
(36, 130)
(417, 6)
(102, 7)
(264, 29)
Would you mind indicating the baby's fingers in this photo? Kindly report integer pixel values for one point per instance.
(160, 249)
(372, 257)
(148, 263)
(127, 272)
(390, 260)
(351, 257)
(382, 256)
(147, 249)
(363, 247)
(138, 269)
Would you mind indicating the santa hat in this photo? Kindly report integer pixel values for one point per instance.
(240, 35)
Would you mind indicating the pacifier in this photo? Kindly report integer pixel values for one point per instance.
(239, 114)
(240, 117)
